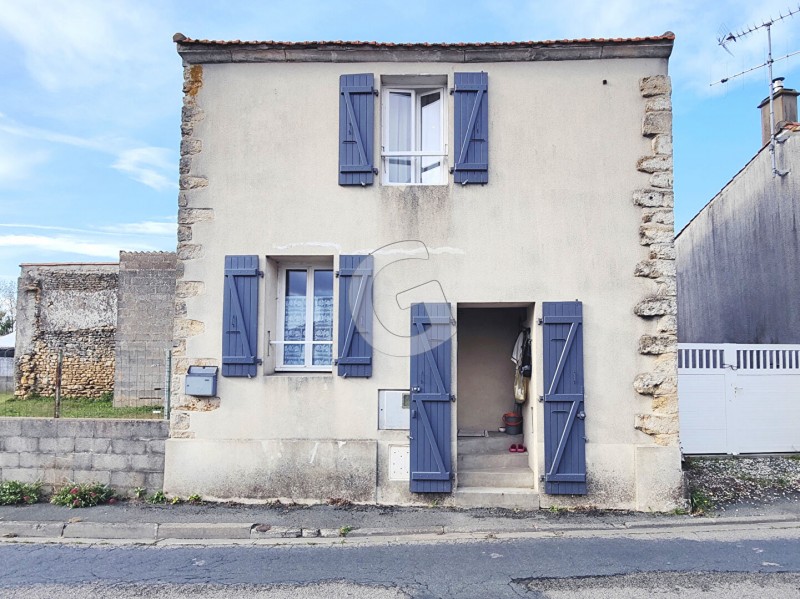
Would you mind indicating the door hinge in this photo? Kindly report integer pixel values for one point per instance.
(539, 321)
(453, 398)
(541, 399)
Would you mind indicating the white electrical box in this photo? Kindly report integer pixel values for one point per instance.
(393, 409)
(399, 462)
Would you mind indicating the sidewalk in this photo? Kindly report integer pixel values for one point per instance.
(140, 522)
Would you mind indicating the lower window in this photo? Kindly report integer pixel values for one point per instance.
(305, 318)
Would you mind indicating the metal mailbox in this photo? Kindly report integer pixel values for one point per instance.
(201, 381)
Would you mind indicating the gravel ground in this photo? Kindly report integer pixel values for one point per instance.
(720, 483)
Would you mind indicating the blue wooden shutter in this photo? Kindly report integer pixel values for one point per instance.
(240, 316)
(564, 435)
(355, 316)
(430, 398)
(471, 137)
(356, 128)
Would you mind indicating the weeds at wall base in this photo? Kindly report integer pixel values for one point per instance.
(13, 492)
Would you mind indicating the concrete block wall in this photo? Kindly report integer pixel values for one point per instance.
(146, 306)
(122, 453)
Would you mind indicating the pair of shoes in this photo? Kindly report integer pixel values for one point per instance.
(517, 448)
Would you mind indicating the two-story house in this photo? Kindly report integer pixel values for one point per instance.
(370, 232)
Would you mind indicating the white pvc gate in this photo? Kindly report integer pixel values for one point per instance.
(739, 398)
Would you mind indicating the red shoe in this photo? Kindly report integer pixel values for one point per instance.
(522, 449)
(513, 448)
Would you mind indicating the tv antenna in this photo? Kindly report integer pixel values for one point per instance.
(730, 38)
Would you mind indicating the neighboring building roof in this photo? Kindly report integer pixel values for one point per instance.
(199, 51)
(789, 127)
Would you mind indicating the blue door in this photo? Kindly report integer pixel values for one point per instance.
(430, 398)
(564, 433)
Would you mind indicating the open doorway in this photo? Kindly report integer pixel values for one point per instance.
(486, 339)
(493, 467)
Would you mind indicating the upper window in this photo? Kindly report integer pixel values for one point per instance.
(413, 148)
(305, 318)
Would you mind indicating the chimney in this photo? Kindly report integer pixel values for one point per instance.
(784, 103)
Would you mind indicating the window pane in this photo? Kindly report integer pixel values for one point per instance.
(430, 127)
(295, 282)
(322, 354)
(295, 306)
(399, 121)
(323, 306)
(294, 354)
(400, 136)
(399, 170)
(323, 283)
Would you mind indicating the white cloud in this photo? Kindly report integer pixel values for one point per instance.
(40, 242)
(70, 245)
(147, 227)
(13, 128)
(68, 44)
(18, 164)
(697, 59)
(150, 166)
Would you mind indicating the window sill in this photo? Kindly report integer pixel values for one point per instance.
(304, 373)
(414, 184)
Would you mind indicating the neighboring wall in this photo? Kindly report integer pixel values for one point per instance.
(739, 258)
(122, 453)
(69, 307)
(146, 306)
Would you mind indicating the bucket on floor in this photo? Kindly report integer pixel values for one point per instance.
(513, 423)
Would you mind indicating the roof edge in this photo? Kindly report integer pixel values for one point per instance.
(195, 51)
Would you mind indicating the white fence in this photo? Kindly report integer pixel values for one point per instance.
(739, 398)
(6, 374)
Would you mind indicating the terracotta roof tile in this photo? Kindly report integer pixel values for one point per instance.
(182, 39)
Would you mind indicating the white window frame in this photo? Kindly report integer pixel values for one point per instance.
(416, 91)
(309, 342)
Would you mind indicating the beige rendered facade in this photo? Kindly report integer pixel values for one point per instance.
(578, 205)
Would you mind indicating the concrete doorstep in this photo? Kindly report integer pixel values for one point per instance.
(238, 532)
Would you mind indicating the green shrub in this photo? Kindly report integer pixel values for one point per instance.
(83, 495)
(13, 492)
(157, 497)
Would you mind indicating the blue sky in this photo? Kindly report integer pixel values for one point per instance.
(91, 96)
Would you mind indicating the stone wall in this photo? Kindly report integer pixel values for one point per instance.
(659, 419)
(193, 208)
(146, 306)
(72, 308)
(122, 453)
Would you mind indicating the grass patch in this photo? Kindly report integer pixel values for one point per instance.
(700, 502)
(71, 407)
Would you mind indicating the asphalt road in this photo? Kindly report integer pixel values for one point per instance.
(735, 564)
